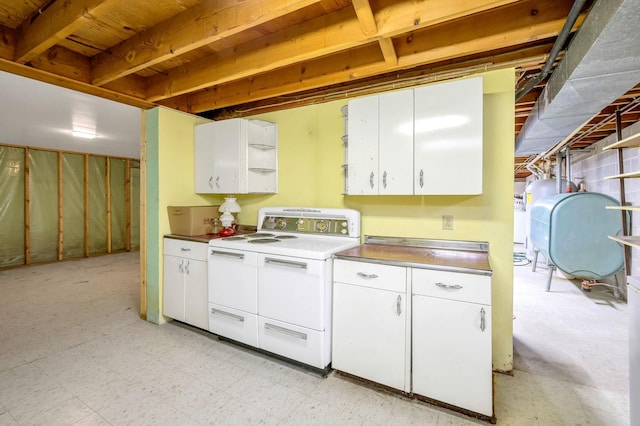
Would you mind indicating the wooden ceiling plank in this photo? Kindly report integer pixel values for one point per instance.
(388, 51)
(366, 61)
(317, 74)
(69, 83)
(55, 23)
(206, 23)
(322, 36)
(365, 17)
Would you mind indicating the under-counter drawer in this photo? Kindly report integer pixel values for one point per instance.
(182, 248)
(300, 344)
(373, 275)
(452, 285)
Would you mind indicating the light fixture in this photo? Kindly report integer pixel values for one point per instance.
(81, 134)
(229, 206)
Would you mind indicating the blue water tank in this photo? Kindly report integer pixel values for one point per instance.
(572, 230)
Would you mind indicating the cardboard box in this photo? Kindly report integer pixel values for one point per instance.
(191, 220)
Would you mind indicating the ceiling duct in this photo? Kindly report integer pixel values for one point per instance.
(602, 62)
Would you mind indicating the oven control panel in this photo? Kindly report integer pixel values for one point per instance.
(329, 226)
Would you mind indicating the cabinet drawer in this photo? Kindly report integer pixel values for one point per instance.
(452, 285)
(384, 277)
(297, 343)
(188, 249)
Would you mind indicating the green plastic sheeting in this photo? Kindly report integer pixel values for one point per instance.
(11, 206)
(73, 205)
(97, 205)
(118, 205)
(43, 205)
(135, 206)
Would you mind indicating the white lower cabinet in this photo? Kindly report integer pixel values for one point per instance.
(437, 344)
(185, 282)
(370, 322)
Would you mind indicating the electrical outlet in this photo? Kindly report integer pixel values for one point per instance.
(447, 222)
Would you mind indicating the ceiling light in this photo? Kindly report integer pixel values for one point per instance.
(85, 135)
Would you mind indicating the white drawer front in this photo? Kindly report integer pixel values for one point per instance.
(384, 277)
(233, 324)
(452, 285)
(297, 343)
(182, 248)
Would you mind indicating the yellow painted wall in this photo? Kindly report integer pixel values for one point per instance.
(310, 156)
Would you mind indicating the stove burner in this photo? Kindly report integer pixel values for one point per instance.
(263, 241)
(260, 235)
(286, 237)
(235, 238)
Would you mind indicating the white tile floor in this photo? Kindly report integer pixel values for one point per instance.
(73, 351)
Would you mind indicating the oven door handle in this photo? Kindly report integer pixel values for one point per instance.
(286, 331)
(226, 253)
(289, 263)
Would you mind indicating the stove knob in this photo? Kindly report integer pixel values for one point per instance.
(344, 231)
(321, 226)
(281, 223)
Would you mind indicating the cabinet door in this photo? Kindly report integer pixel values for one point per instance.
(362, 148)
(451, 353)
(448, 138)
(220, 155)
(204, 158)
(173, 289)
(195, 297)
(369, 333)
(395, 171)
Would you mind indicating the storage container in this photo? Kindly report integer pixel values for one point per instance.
(192, 220)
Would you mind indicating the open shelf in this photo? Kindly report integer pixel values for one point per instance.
(632, 241)
(627, 208)
(635, 174)
(629, 142)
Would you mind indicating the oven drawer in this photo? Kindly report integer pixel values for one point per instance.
(233, 279)
(187, 249)
(297, 343)
(233, 324)
(452, 285)
(373, 275)
(294, 290)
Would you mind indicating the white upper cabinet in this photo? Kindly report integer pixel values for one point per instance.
(236, 156)
(448, 138)
(423, 141)
(362, 148)
(395, 175)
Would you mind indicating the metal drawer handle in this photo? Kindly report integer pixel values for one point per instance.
(286, 331)
(218, 182)
(367, 276)
(421, 178)
(227, 314)
(226, 253)
(211, 181)
(482, 325)
(288, 263)
(186, 267)
(185, 249)
(449, 286)
(181, 266)
(384, 179)
(398, 308)
(371, 180)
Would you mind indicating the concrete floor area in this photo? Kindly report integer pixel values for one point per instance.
(74, 351)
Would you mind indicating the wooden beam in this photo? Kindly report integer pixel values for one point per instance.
(365, 17)
(59, 20)
(27, 209)
(143, 215)
(322, 36)
(86, 205)
(127, 202)
(60, 208)
(388, 51)
(366, 61)
(205, 23)
(69, 83)
(7, 43)
(108, 202)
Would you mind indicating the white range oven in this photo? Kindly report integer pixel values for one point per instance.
(272, 289)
